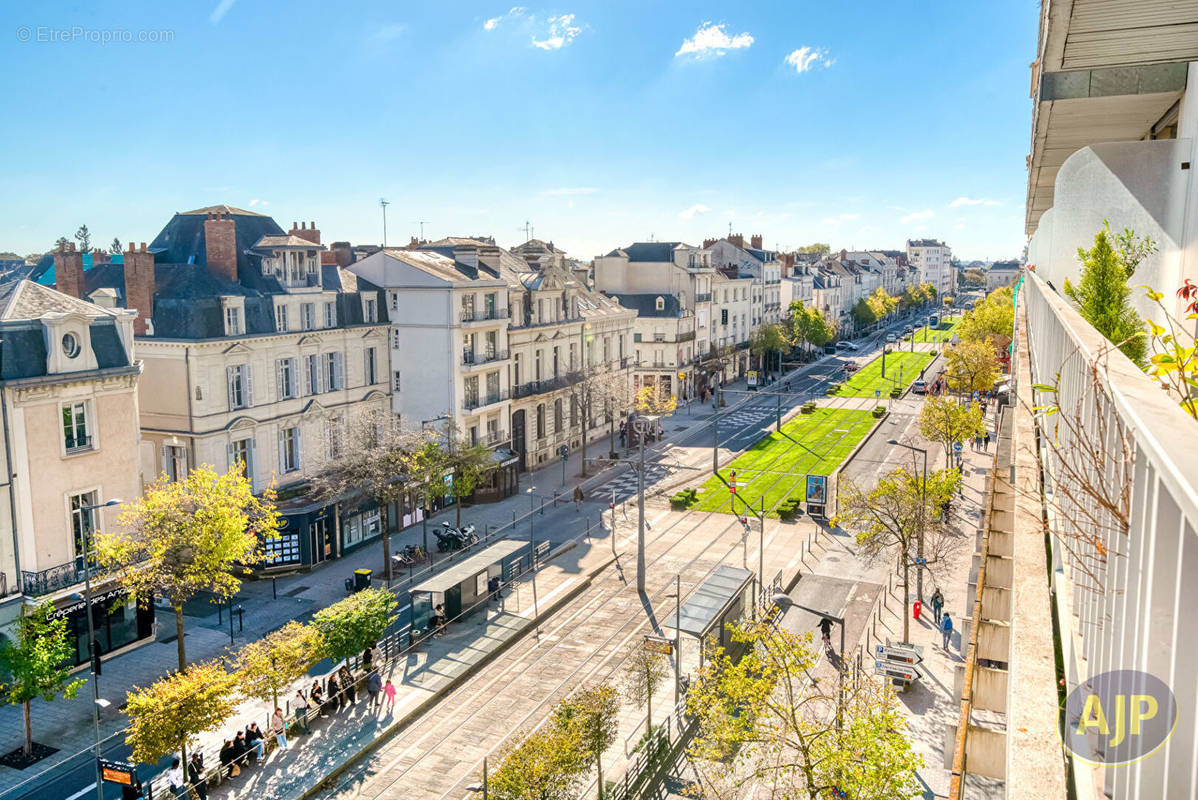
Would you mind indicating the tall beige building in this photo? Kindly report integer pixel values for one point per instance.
(69, 411)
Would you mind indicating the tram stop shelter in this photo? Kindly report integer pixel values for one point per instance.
(464, 585)
(721, 599)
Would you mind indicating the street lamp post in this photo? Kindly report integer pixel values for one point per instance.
(923, 510)
(642, 424)
(92, 656)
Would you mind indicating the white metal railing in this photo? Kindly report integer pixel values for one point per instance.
(1129, 556)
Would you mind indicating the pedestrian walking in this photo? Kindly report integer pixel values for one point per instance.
(389, 690)
(368, 658)
(946, 629)
(301, 711)
(175, 780)
(986, 441)
(577, 498)
(278, 729)
(374, 685)
(195, 775)
(937, 604)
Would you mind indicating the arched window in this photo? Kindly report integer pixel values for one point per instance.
(541, 421)
(557, 414)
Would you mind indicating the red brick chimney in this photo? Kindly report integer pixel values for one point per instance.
(68, 270)
(737, 239)
(755, 241)
(304, 232)
(709, 242)
(844, 255)
(140, 286)
(220, 245)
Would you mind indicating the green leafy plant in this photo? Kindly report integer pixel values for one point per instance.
(594, 713)
(165, 716)
(36, 665)
(271, 664)
(1103, 297)
(355, 623)
(1173, 359)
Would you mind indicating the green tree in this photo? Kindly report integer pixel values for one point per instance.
(762, 722)
(863, 313)
(36, 665)
(971, 367)
(544, 765)
(816, 248)
(594, 712)
(644, 671)
(184, 537)
(766, 340)
(167, 715)
(1103, 297)
(84, 237)
(115, 247)
(370, 462)
(891, 517)
(946, 421)
(992, 320)
(61, 243)
(470, 463)
(653, 400)
(351, 625)
(271, 664)
(808, 325)
(425, 462)
(601, 388)
(974, 277)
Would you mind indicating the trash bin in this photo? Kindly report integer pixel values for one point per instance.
(361, 579)
(916, 608)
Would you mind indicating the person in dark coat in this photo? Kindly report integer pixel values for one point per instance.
(195, 775)
(241, 751)
(347, 686)
(227, 757)
(335, 698)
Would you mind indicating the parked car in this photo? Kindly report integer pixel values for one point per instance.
(846, 346)
(891, 338)
(830, 349)
(920, 386)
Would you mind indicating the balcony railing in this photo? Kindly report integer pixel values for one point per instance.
(77, 444)
(492, 438)
(471, 358)
(489, 399)
(54, 579)
(703, 298)
(547, 385)
(483, 314)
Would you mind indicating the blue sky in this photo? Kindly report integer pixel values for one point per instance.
(856, 123)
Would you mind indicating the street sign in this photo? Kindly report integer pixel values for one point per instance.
(120, 772)
(658, 644)
(564, 451)
(877, 393)
(919, 562)
(957, 447)
(909, 654)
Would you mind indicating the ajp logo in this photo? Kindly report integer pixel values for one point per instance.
(1119, 717)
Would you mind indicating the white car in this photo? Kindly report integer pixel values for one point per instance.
(891, 338)
(846, 346)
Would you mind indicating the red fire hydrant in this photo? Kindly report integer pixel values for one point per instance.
(916, 607)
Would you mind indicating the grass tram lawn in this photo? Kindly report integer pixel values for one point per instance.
(938, 335)
(868, 379)
(776, 467)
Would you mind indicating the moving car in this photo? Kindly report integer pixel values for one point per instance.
(891, 338)
(846, 346)
(920, 386)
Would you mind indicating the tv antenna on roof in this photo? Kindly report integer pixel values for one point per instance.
(528, 229)
(421, 223)
(383, 205)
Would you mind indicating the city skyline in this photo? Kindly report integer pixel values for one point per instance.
(599, 124)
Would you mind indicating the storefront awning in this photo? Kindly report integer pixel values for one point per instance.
(703, 611)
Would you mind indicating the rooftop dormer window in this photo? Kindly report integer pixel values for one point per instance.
(660, 304)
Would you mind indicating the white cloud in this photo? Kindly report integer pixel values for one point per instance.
(570, 190)
(221, 9)
(254, 202)
(387, 33)
(713, 40)
(959, 228)
(970, 201)
(806, 58)
(493, 22)
(838, 219)
(865, 229)
(561, 32)
(693, 211)
(914, 215)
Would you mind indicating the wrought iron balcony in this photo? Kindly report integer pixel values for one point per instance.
(54, 579)
(472, 358)
(489, 399)
(703, 298)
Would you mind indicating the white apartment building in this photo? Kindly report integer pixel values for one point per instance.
(933, 261)
(765, 268)
(258, 356)
(663, 343)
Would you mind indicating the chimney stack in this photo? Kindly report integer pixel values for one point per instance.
(306, 232)
(68, 270)
(755, 241)
(220, 246)
(343, 254)
(140, 286)
(844, 254)
(737, 239)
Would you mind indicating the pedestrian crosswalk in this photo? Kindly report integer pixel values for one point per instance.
(625, 485)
